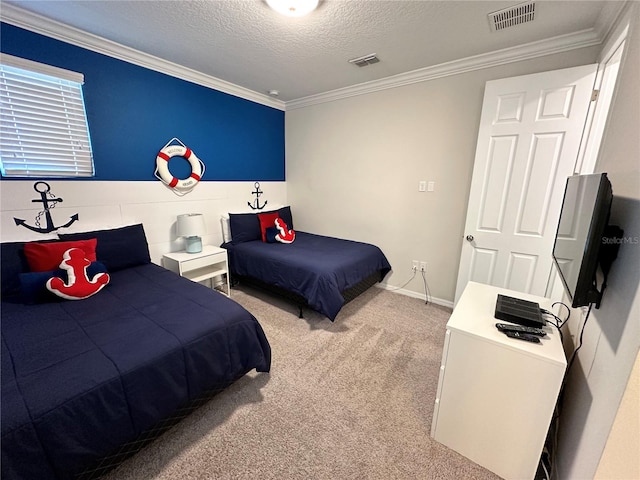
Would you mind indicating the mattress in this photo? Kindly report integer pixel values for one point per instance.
(316, 267)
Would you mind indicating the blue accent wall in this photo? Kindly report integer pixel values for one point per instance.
(133, 112)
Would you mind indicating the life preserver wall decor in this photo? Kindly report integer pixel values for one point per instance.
(178, 186)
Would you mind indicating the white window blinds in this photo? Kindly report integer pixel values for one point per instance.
(43, 125)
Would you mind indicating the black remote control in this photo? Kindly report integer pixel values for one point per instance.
(522, 336)
(504, 327)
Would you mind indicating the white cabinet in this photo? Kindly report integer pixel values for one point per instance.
(205, 265)
(496, 395)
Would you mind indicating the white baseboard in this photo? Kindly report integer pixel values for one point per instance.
(410, 293)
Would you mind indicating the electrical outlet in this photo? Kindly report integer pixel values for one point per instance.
(423, 266)
(415, 264)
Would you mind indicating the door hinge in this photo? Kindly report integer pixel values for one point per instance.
(594, 95)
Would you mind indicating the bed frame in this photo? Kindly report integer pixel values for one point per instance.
(299, 301)
(116, 458)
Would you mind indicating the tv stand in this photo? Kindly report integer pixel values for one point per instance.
(496, 395)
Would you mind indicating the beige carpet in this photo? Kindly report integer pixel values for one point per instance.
(346, 400)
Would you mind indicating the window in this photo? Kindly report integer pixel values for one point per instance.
(43, 125)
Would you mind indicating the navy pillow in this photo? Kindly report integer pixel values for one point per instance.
(33, 284)
(271, 233)
(245, 227)
(285, 214)
(13, 262)
(118, 248)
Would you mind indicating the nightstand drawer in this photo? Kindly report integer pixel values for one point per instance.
(210, 264)
(200, 262)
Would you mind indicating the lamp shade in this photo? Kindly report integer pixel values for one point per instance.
(191, 226)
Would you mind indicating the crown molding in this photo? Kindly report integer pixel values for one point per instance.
(610, 17)
(562, 43)
(59, 31)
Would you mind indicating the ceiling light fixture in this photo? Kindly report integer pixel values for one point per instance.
(293, 8)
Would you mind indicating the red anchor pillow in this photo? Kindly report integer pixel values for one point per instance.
(33, 288)
(285, 234)
(43, 257)
(78, 285)
(280, 233)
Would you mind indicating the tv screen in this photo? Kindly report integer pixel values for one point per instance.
(582, 228)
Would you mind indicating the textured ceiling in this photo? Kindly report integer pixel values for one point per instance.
(244, 42)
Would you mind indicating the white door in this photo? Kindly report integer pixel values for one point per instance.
(528, 142)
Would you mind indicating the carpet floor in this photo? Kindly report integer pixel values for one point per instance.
(351, 399)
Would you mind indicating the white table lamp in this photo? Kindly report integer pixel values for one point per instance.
(191, 227)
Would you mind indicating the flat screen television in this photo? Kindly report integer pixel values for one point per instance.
(585, 243)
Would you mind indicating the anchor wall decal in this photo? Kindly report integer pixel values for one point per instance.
(49, 202)
(257, 193)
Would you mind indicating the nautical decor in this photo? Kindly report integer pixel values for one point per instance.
(285, 235)
(49, 202)
(256, 203)
(162, 173)
(79, 285)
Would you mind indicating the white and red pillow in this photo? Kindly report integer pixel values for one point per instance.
(78, 286)
(61, 268)
(285, 235)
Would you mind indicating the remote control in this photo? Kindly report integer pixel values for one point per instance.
(522, 336)
(503, 327)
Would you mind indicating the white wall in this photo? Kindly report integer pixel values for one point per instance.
(597, 381)
(103, 205)
(353, 167)
(621, 456)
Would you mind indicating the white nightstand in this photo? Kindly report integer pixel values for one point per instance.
(211, 262)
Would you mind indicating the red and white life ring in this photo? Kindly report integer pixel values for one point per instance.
(162, 167)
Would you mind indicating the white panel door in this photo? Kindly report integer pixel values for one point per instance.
(528, 142)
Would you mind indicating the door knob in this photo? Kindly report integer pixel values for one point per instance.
(469, 238)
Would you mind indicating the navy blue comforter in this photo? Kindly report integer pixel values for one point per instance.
(80, 378)
(316, 267)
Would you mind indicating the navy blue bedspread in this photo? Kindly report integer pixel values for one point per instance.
(316, 267)
(80, 378)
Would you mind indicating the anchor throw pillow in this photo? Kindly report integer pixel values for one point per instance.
(285, 234)
(78, 285)
(43, 257)
(33, 288)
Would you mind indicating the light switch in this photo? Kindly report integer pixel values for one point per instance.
(431, 186)
(422, 186)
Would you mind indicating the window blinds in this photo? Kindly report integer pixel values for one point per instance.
(43, 125)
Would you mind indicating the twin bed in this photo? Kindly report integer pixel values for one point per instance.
(85, 383)
(314, 271)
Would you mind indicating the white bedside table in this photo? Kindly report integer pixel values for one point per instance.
(211, 262)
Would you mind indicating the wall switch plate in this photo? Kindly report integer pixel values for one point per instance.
(431, 186)
(422, 186)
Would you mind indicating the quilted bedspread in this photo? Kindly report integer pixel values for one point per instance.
(80, 378)
(316, 267)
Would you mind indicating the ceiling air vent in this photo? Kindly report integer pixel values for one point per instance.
(365, 60)
(512, 16)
